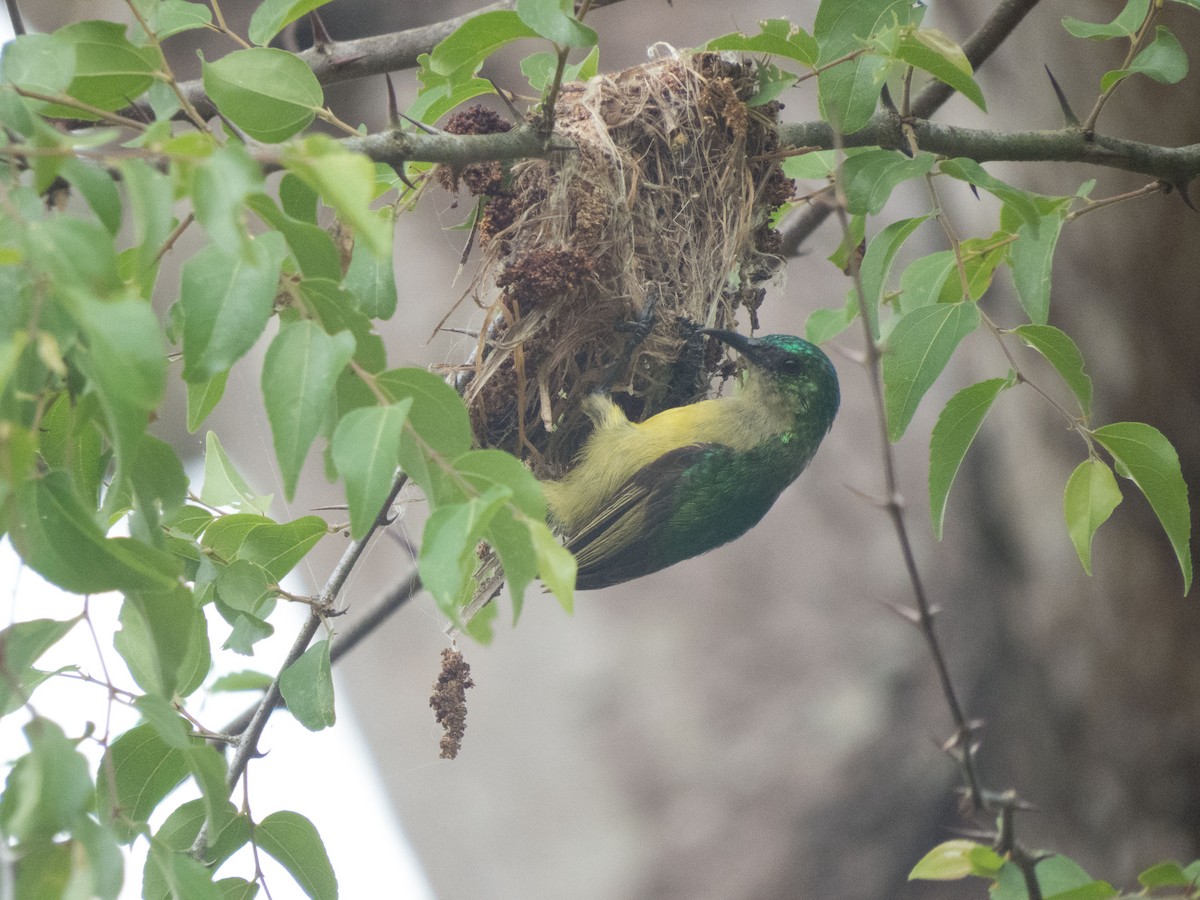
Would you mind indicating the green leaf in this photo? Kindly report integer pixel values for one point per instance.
(1022, 202)
(932, 51)
(100, 869)
(335, 309)
(299, 372)
(1164, 60)
(307, 687)
(778, 37)
(917, 350)
(1032, 257)
(127, 362)
(438, 420)
(506, 531)
(311, 246)
(372, 280)
(211, 776)
(1090, 497)
(168, 17)
(366, 453)
(110, 72)
(447, 554)
(485, 469)
(1061, 878)
(442, 93)
(202, 398)
(270, 94)
(77, 256)
(48, 789)
(539, 68)
(150, 197)
(877, 264)
(272, 16)
(295, 844)
(159, 713)
(952, 436)
(1124, 25)
(183, 876)
(42, 63)
(956, 859)
(849, 92)
(1061, 352)
(345, 182)
(98, 189)
(826, 324)
(176, 836)
(224, 485)
(243, 586)
(981, 256)
(556, 566)
(1163, 874)
(555, 20)
(163, 640)
(159, 482)
(463, 51)
(921, 283)
(20, 646)
(245, 680)
(58, 539)
(223, 181)
(1147, 458)
(137, 771)
(226, 301)
(869, 178)
(275, 547)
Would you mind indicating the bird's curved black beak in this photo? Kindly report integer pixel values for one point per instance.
(748, 347)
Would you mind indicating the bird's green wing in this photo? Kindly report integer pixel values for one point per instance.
(625, 540)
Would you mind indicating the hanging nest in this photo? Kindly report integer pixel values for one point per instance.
(668, 195)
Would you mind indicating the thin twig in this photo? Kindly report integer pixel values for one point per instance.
(1135, 45)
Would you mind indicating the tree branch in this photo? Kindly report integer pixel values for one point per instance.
(456, 150)
(1174, 165)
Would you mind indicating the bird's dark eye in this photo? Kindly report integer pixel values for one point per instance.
(791, 365)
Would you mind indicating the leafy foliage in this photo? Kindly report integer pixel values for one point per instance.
(95, 503)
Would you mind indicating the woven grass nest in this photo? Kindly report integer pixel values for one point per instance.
(669, 192)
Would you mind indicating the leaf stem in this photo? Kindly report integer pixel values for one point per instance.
(1135, 45)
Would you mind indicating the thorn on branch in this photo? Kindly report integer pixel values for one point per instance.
(1069, 118)
(393, 106)
(1182, 188)
(420, 126)
(322, 42)
(508, 101)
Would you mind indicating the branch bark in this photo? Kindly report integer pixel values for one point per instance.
(1174, 165)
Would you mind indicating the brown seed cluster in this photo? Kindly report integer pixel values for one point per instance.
(544, 275)
(485, 179)
(449, 701)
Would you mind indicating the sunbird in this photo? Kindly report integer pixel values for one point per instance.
(644, 496)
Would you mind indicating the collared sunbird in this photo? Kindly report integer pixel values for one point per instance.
(644, 496)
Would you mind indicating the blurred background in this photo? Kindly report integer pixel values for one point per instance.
(757, 723)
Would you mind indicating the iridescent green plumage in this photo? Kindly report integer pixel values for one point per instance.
(646, 496)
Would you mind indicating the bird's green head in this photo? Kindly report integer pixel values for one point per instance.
(795, 366)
